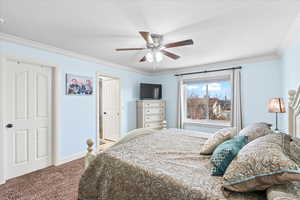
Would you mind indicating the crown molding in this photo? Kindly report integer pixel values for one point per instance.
(228, 63)
(52, 49)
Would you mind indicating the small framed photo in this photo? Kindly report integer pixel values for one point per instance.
(79, 85)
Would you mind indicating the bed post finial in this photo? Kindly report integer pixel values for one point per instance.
(292, 94)
(90, 156)
(164, 124)
(90, 144)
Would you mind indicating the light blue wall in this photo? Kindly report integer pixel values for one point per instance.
(78, 113)
(260, 82)
(291, 70)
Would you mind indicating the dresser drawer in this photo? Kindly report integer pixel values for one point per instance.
(154, 110)
(154, 104)
(153, 125)
(153, 118)
(151, 113)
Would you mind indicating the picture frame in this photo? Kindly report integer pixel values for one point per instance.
(77, 85)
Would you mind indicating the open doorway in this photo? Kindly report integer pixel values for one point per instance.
(109, 109)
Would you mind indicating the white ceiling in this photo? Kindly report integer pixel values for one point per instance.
(221, 29)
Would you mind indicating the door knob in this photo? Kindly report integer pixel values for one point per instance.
(104, 113)
(9, 126)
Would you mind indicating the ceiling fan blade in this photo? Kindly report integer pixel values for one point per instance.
(147, 36)
(169, 54)
(129, 49)
(143, 59)
(180, 43)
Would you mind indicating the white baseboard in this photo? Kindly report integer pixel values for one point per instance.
(2, 182)
(70, 158)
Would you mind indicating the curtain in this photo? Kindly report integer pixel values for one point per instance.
(237, 100)
(180, 104)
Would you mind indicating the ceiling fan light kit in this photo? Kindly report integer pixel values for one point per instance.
(156, 48)
(149, 57)
(156, 56)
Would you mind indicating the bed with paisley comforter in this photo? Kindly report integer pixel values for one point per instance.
(162, 165)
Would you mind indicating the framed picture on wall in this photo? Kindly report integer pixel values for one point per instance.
(79, 85)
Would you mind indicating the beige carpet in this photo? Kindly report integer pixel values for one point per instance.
(52, 183)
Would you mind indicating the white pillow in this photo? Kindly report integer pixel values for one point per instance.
(216, 139)
(255, 130)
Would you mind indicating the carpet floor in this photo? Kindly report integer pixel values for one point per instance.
(52, 183)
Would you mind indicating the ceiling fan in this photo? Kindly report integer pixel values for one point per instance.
(156, 48)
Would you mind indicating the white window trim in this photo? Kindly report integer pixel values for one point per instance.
(208, 123)
(203, 78)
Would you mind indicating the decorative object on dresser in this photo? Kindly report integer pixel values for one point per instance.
(151, 113)
(276, 105)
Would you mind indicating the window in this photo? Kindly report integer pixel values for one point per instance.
(208, 102)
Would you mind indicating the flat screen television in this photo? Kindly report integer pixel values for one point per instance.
(150, 91)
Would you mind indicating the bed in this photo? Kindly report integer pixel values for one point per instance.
(166, 165)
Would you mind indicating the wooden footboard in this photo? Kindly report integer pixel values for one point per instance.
(90, 156)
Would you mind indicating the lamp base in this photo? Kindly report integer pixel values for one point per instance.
(276, 128)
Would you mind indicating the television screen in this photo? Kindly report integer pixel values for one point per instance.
(150, 91)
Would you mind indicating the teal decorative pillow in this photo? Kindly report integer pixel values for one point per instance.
(225, 153)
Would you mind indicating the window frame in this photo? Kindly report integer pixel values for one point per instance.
(205, 79)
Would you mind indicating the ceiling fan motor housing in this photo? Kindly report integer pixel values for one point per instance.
(157, 41)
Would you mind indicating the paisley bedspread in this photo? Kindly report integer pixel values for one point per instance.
(290, 191)
(164, 165)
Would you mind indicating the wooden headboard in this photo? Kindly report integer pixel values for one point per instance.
(294, 112)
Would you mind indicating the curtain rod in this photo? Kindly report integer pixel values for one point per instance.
(206, 71)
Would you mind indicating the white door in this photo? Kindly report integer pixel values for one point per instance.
(111, 109)
(28, 117)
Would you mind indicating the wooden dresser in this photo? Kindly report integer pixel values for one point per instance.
(151, 113)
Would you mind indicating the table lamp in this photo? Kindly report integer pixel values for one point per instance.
(276, 105)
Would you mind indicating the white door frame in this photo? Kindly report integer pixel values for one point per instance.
(98, 104)
(55, 110)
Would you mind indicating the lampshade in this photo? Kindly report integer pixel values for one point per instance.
(276, 105)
